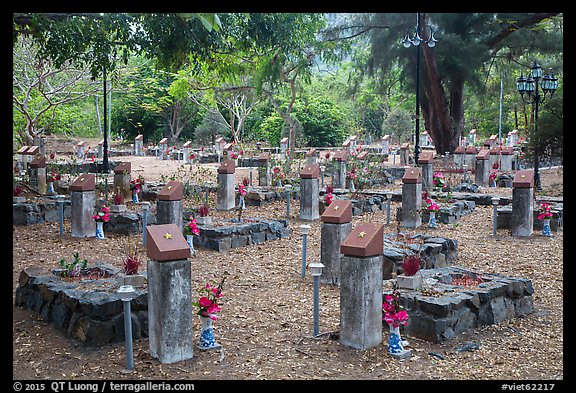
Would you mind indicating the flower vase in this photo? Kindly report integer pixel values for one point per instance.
(135, 196)
(352, 188)
(100, 230)
(242, 204)
(396, 344)
(432, 220)
(190, 241)
(207, 340)
(546, 227)
(493, 184)
(51, 187)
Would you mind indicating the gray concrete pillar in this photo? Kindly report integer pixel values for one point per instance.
(226, 198)
(332, 235)
(309, 198)
(411, 198)
(522, 219)
(82, 210)
(361, 301)
(170, 310)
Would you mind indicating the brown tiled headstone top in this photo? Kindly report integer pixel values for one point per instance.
(362, 155)
(471, 150)
(340, 155)
(346, 143)
(23, 149)
(460, 150)
(227, 167)
(426, 157)
(507, 150)
(33, 150)
(81, 143)
(338, 212)
(123, 167)
(139, 137)
(483, 154)
(187, 144)
(228, 146)
(523, 179)
(405, 145)
(284, 140)
(495, 150)
(101, 143)
(166, 243)
(311, 152)
(365, 240)
(263, 157)
(310, 171)
(173, 191)
(84, 182)
(163, 141)
(412, 176)
(39, 161)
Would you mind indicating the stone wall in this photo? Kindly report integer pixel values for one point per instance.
(505, 215)
(233, 234)
(442, 310)
(38, 213)
(94, 316)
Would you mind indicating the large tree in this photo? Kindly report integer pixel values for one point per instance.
(465, 43)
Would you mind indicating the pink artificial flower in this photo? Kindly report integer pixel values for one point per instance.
(241, 190)
(204, 302)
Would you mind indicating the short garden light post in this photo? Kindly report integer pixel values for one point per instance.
(145, 207)
(316, 272)
(305, 230)
(287, 189)
(388, 199)
(60, 201)
(495, 202)
(207, 187)
(126, 293)
(531, 88)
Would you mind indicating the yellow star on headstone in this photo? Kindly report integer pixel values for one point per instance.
(309, 169)
(169, 187)
(523, 176)
(336, 207)
(362, 234)
(81, 179)
(168, 235)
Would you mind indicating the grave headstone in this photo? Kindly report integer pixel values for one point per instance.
(425, 139)
(426, 162)
(512, 138)
(226, 198)
(83, 201)
(80, 152)
(309, 191)
(186, 150)
(404, 154)
(169, 294)
(169, 205)
(336, 226)
(482, 171)
(459, 155)
(385, 144)
(506, 158)
(361, 286)
(122, 177)
(283, 147)
(100, 152)
(37, 168)
(412, 198)
(312, 155)
(139, 145)
(470, 156)
(264, 169)
(340, 157)
(163, 145)
(522, 219)
(472, 136)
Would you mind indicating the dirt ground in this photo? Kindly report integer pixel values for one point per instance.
(266, 324)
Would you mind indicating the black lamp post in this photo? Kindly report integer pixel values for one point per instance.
(531, 88)
(416, 40)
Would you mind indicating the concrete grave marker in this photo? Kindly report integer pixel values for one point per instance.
(309, 191)
(264, 169)
(226, 199)
(169, 205)
(426, 162)
(169, 294)
(122, 177)
(412, 198)
(522, 219)
(83, 201)
(361, 287)
(336, 225)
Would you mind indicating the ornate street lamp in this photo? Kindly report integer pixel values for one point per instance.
(529, 90)
(407, 42)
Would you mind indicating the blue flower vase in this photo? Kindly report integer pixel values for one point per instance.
(51, 187)
(207, 340)
(546, 228)
(100, 230)
(134, 197)
(396, 344)
(432, 220)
